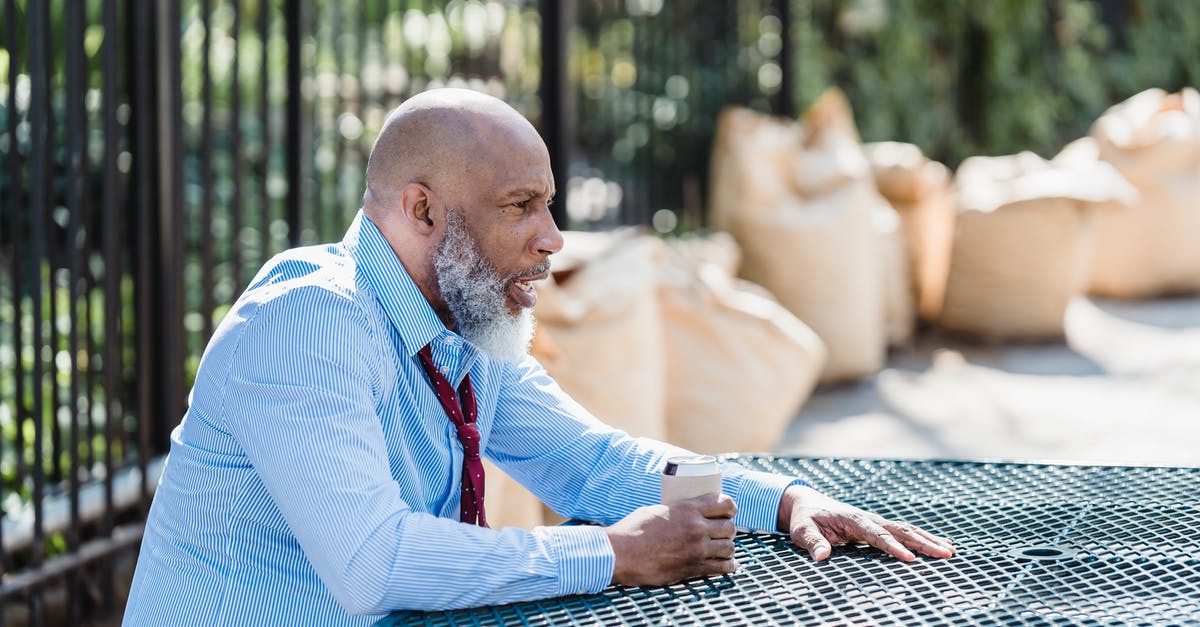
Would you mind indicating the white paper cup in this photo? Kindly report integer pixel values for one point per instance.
(689, 476)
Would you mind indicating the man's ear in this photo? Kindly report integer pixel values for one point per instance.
(417, 205)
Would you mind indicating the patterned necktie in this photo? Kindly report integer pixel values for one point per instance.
(463, 418)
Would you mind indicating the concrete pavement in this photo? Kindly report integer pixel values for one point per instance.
(1122, 387)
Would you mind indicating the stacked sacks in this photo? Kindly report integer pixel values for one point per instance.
(1020, 241)
(801, 202)
(661, 341)
(739, 365)
(600, 330)
(751, 167)
(921, 192)
(1153, 139)
(600, 336)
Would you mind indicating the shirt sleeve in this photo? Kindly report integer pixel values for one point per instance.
(585, 469)
(299, 397)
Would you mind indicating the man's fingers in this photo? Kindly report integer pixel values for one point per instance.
(923, 541)
(875, 535)
(721, 566)
(719, 528)
(719, 549)
(809, 537)
(716, 506)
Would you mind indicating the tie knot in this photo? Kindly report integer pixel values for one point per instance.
(468, 434)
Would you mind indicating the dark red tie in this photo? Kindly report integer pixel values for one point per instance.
(463, 418)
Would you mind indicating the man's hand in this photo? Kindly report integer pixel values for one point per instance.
(659, 544)
(817, 522)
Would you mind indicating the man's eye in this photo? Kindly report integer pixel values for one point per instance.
(521, 204)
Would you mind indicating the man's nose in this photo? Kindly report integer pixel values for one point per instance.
(548, 239)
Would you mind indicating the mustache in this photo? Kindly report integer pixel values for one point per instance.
(534, 271)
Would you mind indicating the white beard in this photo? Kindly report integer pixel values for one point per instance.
(477, 297)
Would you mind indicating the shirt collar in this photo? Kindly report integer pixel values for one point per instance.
(400, 297)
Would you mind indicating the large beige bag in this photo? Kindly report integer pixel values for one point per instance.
(1019, 244)
(921, 192)
(899, 303)
(739, 365)
(818, 250)
(1153, 139)
(601, 332)
(820, 258)
(751, 167)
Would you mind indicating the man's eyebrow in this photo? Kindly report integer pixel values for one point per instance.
(528, 192)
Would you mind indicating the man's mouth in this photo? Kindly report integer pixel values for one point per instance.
(521, 290)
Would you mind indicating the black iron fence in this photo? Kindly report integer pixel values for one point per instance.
(154, 153)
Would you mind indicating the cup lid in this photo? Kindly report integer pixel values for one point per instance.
(691, 466)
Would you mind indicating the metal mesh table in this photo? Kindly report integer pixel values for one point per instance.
(1037, 545)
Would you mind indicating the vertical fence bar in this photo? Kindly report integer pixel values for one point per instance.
(17, 230)
(337, 22)
(76, 81)
(141, 73)
(113, 301)
(293, 17)
(170, 234)
(39, 75)
(556, 19)
(204, 229)
(264, 112)
(53, 254)
(235, 121)
(16, 235)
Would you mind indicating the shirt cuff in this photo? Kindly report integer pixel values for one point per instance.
(584, 556)
(757, 494)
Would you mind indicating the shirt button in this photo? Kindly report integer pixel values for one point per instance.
(444, 370)
(449, 341)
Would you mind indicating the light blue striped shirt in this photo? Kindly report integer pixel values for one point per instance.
(315, 477)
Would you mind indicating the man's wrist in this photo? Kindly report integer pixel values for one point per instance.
(757, 494)
(786, 502)
(584, 557)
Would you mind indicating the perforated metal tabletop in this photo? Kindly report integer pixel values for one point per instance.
(1037, 545)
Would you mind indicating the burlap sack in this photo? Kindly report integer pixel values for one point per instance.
(899, 304)
(739, 365)
(600, 332)
(1153, 139)
(751, 166)
(820, 258)
(1019, 245)
(831, 157)
(819, 250)
(920, 190)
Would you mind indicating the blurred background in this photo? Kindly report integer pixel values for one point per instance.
(155, 154)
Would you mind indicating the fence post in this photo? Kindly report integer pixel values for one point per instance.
(294, 20)
(556, 16)
(170, 209)
(156, 202)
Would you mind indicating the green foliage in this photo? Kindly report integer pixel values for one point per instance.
(964, 78)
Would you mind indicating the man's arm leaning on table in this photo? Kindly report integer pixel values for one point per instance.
(585, 469)
(307, 421)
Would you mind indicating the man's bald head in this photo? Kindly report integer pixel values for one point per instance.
(444, 139)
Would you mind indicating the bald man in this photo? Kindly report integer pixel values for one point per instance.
(328, 468)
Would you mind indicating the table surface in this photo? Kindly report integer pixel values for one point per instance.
(1037, 544)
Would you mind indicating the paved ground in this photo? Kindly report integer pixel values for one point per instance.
(1123, 387)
